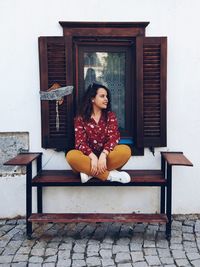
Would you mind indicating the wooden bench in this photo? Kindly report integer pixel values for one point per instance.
(158, 178)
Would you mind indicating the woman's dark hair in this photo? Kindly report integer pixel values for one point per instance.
(85, 110)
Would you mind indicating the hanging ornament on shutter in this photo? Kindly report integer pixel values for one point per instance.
(56, 92)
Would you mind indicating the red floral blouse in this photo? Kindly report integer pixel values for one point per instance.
(94, 137)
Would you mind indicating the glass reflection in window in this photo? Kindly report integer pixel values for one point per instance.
(108, 68)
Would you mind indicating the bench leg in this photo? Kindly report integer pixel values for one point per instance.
(162, 199)
(39, 199)
(28, 199)
(169, 201)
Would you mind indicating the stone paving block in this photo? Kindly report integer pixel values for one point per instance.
(123, 257)
(86, 241)
(182, 262)
(7, 228)
(136, 246)
(167, 260)
(9, 251)
(197, 226)
(100, 231)
(187, 229)
(91, 253)
(125, 265)
(163, 243)
(93, 248)
(107, 262)
(140, 228)
(153, 260)
(189, 244)
(123, 241)
(137, 256)
(24, 250)
(188, 237)
(164, 252)
(48, 264)
(106, 246)
(18, 264)
(93, 261)
(20, 257)
(88, 230)
(79, 248)
(37, 251)
(170, 265)
(64, 246)
(77, 256)
(64, 263)
(63, 254)
(51, 259)
(105, 253)
(140, 264)
(195, 263)
(176, 246)
(176, 233)
(120, 248)
(191, 250)
(176, 240)
(78, 263)
(178, 254)
(6, 259)
(34, 265)
(150, 251)
(176, 224)
(50, 252)
(35, 259)
(149, 244)
(193, 256)
(53, 245)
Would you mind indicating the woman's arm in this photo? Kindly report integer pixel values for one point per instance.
(113, 133)
(81, 137)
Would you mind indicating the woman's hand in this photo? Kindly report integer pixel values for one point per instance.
(102, 166)
(94, 164)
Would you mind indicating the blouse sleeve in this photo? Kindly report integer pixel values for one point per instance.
(113, 132)
(81, 137)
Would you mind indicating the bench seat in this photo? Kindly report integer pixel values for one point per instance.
(69, 178)
(97, 217)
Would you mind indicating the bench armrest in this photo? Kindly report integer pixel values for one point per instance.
(23, 159)
(176, 158)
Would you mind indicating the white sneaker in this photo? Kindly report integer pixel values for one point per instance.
(121, 177)
(85, 177)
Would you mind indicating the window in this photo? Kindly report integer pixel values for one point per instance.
(118, 55)
(109, 65)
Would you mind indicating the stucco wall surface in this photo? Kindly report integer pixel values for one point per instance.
(22, 22)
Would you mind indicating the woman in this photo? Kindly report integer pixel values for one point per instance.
(97, 151)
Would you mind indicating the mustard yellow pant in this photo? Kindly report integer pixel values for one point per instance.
(79, 162)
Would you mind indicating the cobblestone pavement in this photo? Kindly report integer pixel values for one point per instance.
(102, 244)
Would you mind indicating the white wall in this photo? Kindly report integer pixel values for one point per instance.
(22, 22)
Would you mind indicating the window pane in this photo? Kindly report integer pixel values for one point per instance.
(108, 68)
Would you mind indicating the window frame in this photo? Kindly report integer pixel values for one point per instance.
(150, 81)
(112, 46)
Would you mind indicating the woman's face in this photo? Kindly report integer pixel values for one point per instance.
(100, 100)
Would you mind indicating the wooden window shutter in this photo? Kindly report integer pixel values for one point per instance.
(53, 62)
(151, 62)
